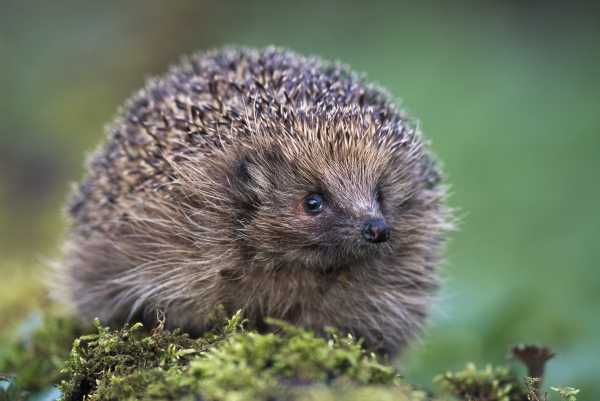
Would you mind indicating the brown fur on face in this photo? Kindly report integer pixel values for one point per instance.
(198, 199)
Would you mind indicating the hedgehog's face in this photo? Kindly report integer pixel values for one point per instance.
(323, 207)
(373, 229)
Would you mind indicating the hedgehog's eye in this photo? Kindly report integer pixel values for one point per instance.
(313, 203)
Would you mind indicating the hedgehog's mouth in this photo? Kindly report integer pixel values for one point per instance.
(340, 256)
(321, 256)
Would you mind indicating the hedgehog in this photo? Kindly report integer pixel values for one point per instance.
(265, 181)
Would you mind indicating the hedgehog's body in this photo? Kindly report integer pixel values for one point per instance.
(261, 181)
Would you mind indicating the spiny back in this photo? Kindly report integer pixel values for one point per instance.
(204, 103)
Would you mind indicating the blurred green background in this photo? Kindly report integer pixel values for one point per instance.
(508, 93)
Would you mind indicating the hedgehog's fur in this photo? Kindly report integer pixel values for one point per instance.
(195, 201)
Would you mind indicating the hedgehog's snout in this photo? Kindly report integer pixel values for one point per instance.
(376, 230)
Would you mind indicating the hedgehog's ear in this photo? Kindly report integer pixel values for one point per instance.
(251, 167)
(243, 187)
(257, 170)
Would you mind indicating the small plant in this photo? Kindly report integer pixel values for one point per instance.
(534, 358)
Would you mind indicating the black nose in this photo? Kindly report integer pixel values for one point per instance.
(375, 230)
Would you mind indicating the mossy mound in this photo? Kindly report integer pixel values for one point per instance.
(227, 364)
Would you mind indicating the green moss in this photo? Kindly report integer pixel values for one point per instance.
(487, 384)
(227, 364)
(123, 361)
